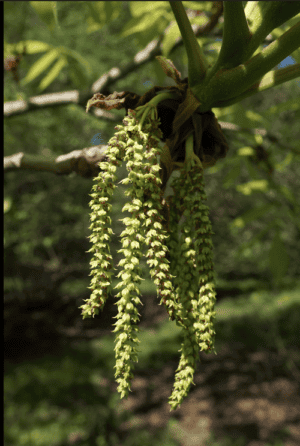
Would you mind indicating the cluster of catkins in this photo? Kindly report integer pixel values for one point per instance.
(185, 283)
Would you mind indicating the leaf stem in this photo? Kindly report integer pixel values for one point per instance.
(264, 16)
(197, 64)
(270, 80)
(227, 84)
(144, 110)
(236, 37)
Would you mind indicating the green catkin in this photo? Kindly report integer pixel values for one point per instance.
(205, 265)
(180, 260)
(101, 262)
(194, 282)
(156, 236)
(185, 287)
(132, 240)
(145, 225)
(197, 250)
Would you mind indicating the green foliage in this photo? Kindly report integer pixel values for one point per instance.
(47, 12)
(66, 398)
(70, 394)
(101, 13)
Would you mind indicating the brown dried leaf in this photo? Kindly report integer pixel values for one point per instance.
(110, 102)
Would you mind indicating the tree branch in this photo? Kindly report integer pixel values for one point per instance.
(13, 108)
(85, 162)
(106, 81)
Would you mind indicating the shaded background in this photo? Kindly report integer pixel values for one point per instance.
(59, 369)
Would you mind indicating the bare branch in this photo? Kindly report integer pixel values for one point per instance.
(84, 162)
(53, 100)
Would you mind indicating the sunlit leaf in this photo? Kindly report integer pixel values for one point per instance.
(41, 65)
(47, 12)
(30, 47)
(7, 204)
(53, 73)
(246, 151)
(197, 6)
(140, 24)
(34, 46)
(139, 8)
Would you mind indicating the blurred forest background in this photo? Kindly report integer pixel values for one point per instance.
(59, 382)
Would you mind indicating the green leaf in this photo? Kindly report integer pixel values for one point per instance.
(47, 12)
(112, 10)
(97, 12)
(30, 46)
(246, 151)
(149, 19)
(197, 6)
(41, 65)
(53, 73)
(139, 8)
(35, 46)
(145, 25)
(101, 13)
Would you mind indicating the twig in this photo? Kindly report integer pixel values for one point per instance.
(85, 161)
